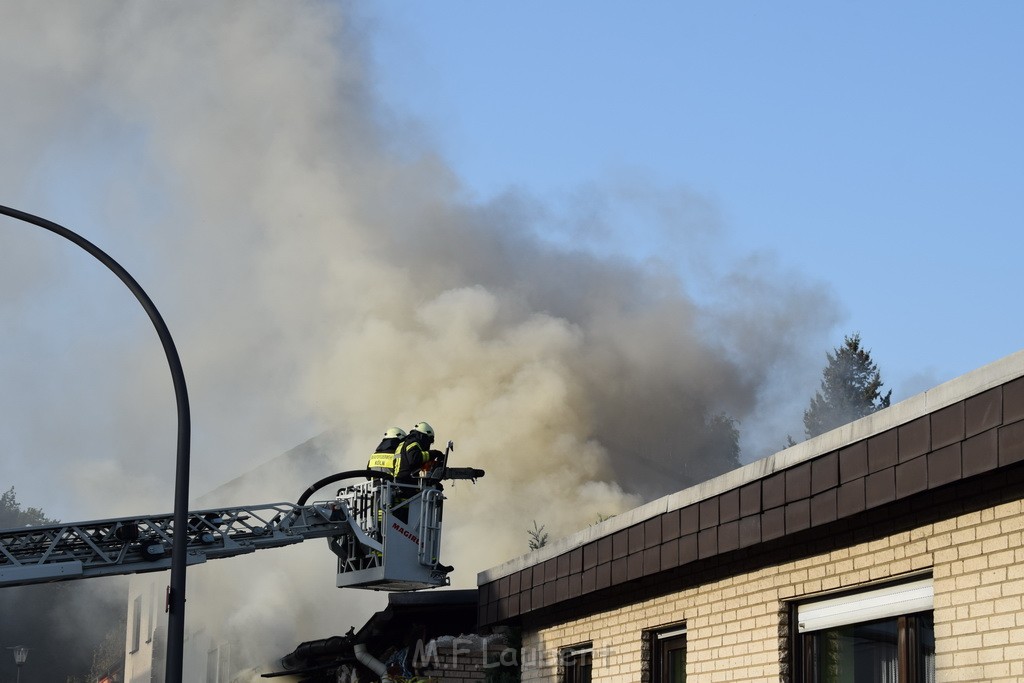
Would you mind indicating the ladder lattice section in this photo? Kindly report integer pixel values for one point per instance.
(137, 544)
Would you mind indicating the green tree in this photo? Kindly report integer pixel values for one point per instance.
(723, 440)
(851, 387)
(12, 515)
(716, 444)
(538, 537)
(63, 624)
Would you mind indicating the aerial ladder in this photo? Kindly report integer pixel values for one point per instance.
(386, 535)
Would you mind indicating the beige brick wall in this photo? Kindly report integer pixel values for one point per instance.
(733, 625)
(464, 659)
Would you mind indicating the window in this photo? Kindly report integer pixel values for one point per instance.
(136, 623)
(885, 635)
(577, 663)
(218, 662)
(212, 664)
(151, 614)
(668, 655)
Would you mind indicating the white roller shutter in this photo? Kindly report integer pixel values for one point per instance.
(878, 603)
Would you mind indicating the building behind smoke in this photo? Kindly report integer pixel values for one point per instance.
(213, 652)
(431, 632)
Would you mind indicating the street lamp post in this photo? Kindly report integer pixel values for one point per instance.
(20, 655)
(179, 547)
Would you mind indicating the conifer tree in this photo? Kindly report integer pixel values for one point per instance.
(538, 537)
(851, 388)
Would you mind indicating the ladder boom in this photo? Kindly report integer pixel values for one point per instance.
(129, 545)
(386, 535)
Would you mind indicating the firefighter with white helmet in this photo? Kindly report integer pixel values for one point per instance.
(414, 455)
(414, 452)
(383, 461)
(383, 458)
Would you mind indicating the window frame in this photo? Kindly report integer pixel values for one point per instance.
(576, 663)
(660, 640)
(136, 635)
(218, 663)
(909, 602)
(151, 615)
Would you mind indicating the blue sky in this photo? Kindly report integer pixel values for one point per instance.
(873, 148)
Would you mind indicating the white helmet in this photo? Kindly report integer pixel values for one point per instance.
(423, 428)
(394, 433)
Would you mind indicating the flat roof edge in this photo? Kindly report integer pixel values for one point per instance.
(970, 384)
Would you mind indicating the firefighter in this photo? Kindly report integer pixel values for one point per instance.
(383, 458)
(414, 452)
(411, 456)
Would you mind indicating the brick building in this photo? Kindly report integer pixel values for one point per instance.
(889, 549)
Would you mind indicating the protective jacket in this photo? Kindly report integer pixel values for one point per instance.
(410, 456)
(383, 458)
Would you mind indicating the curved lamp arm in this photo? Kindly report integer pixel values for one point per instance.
(176, 591)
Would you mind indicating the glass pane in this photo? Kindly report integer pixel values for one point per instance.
(858, 653)
(577, 668)
(670, 660)
(136, 622)
(211, 666)
(676, 660)
(926, 646)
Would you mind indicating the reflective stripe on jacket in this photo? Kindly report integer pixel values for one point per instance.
(410, 456)
(383, 458)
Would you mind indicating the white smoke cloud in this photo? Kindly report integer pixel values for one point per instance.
(316, 275)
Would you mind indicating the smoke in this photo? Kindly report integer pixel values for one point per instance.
(321, 271)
